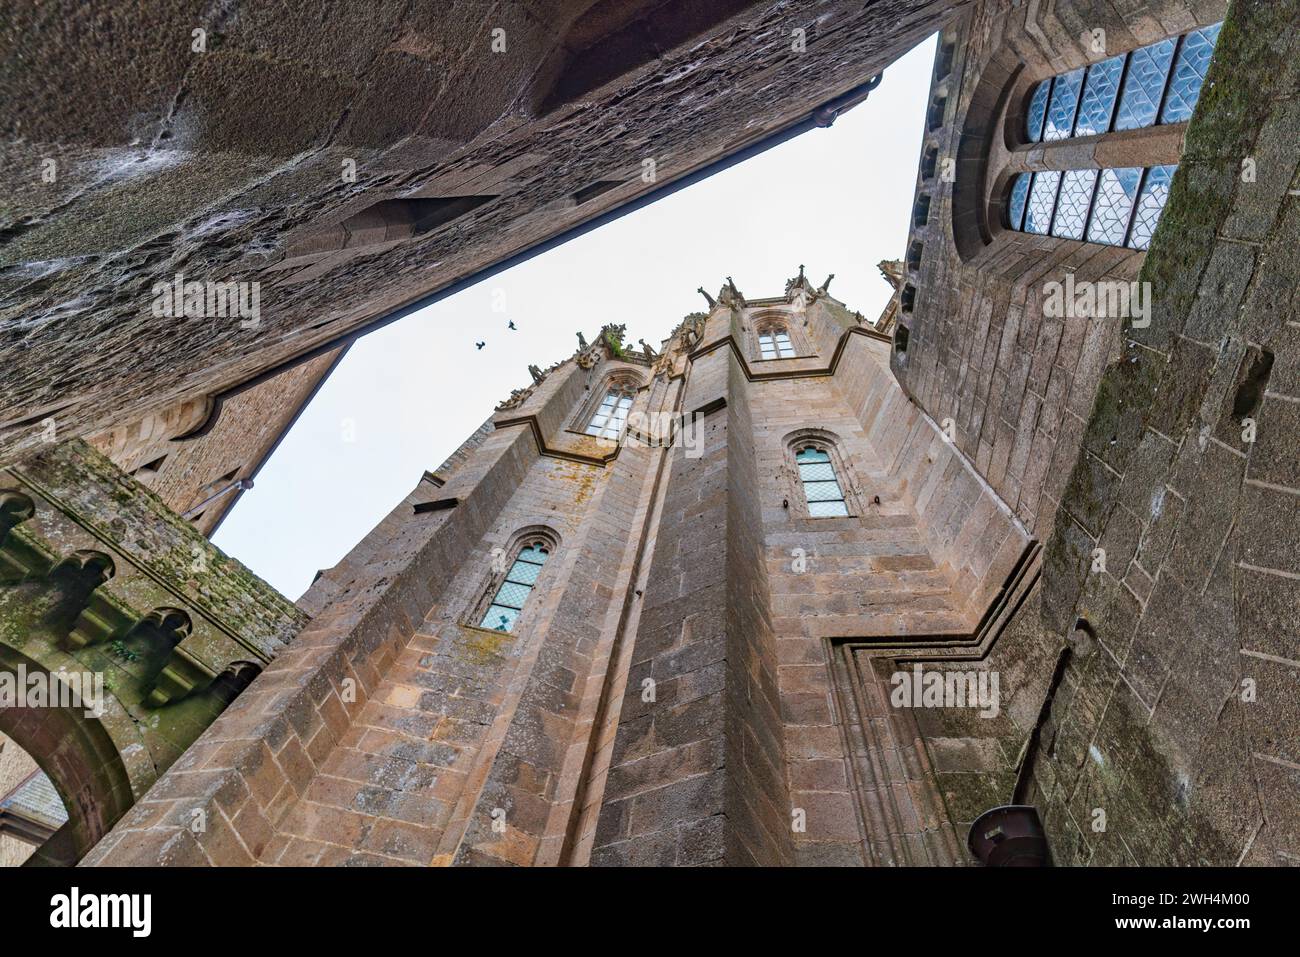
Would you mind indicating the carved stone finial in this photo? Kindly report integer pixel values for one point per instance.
(729, 295)
(536, 372)
(645, 348)
(701, 291)
(517, 398)
(582, 342)
(827, 284)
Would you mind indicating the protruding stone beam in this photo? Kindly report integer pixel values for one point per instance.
(23, 556)
(181, 676)
(197, 659)
(104, 618)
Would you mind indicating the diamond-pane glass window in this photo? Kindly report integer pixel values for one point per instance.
(1062, 105)
(821, 487)
(1072, 206)
(1042, 202)
(1124, 92)
(1150, 204)
(1113, 207)
(1037, 111)
(514, 590)
(774, 343)
(1188, 74)
(1019, 195)
(1099, 93)
(609, 418)
(1139, 101)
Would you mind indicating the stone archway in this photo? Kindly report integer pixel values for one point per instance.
(79, 755)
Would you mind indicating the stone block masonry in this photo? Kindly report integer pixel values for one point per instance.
(349, 180)
(105, 591)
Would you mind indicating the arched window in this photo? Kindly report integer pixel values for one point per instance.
(611, 415)
(821, 487)
(508, 601)
(774, 341)
(1159, 82)
(1116, 207)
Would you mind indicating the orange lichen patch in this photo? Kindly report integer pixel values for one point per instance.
(480, 646)
(583, 477)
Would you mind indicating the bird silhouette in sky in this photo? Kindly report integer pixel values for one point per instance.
(479, 345)
(511, 325)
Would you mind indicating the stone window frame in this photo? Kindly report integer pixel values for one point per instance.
(787, 322)
(992, 144)
(845, 473)
(625, 380)
(528, 537)
(1022, 140)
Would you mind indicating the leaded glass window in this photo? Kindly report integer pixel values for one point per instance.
(611, 415)
(1113, 207)
(1073, 203)
(508, 602)
(1099, 93)
(1188, 74)
(1019, 196)
(1118, 207)
(1148, 71)
(821, 487)
(1037, 111)
(774, 343)
(1159, 82)
(1150, 204)
(1062, 105)
(1042, 202)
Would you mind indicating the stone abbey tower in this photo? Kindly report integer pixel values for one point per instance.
(1008, 574)
(566, 647)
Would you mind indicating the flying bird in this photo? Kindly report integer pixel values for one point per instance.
(479, 345)
(511, 325)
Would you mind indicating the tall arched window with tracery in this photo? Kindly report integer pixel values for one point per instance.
(609, 418)
(774, 341)
(1116, 206)
(510, 590)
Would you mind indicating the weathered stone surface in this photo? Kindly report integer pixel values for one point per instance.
(231, 164)
(100, 580)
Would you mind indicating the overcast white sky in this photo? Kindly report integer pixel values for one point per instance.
(406, 396)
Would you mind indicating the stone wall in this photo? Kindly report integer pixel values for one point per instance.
(1015, 383)
(350, 179)
(1177, 719)
(98, 579)
(189, 453)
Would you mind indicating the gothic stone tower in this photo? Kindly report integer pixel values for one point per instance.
(665, 648)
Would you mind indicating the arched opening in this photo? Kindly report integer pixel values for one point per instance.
(775, 339)
(604, 414)
(31, 810)
(73, 751)
(514, 578)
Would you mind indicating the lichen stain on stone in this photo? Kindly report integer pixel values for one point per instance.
(582, 477)
(481, 647)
